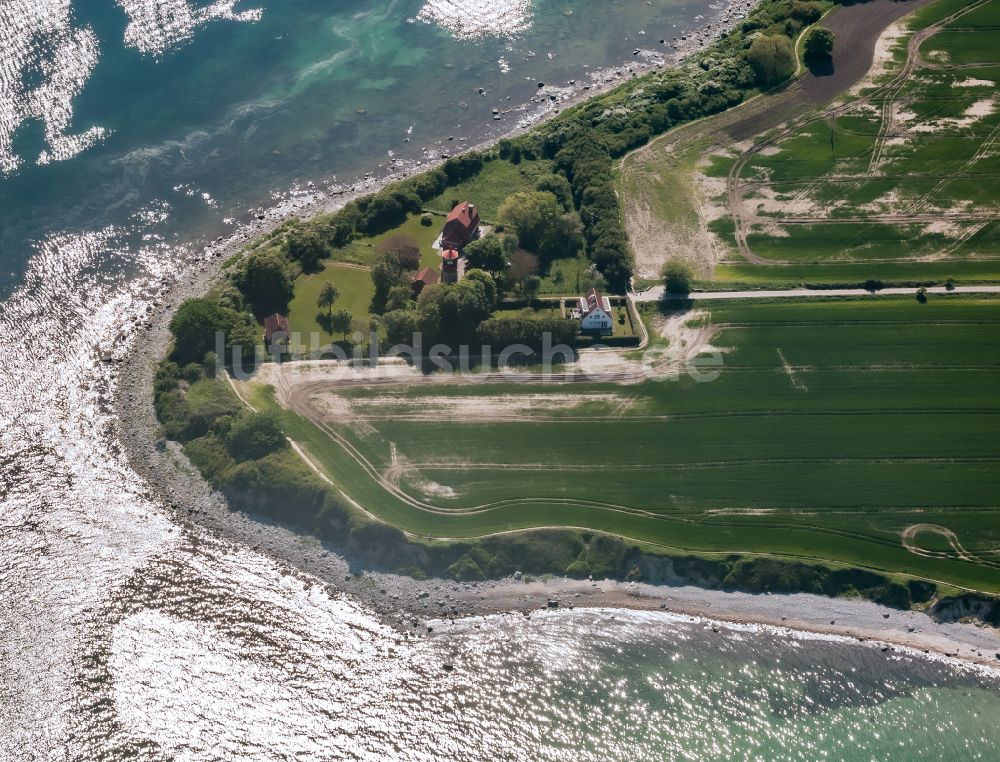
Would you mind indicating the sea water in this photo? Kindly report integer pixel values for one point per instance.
(132, 131)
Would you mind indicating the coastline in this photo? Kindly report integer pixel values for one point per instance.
(413, 606)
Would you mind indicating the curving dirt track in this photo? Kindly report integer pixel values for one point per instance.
(909, 534)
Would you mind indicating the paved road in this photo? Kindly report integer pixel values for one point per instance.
(655, 294)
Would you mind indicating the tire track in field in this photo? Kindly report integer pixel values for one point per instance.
(908, 535)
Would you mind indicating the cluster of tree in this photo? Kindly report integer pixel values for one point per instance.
(504, 332)
(313, 240)
(772, 58)
(198, 322)
(259, 285)
(244, 434)
(333, 320)
(584, 141)
(489, 254)
(446, 313)
(543, 225)
(397, 258)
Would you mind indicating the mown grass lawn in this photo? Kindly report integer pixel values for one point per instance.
(833, 426)
(356, 292)
(364, 250)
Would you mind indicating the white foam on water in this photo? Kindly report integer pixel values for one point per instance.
(38, 39)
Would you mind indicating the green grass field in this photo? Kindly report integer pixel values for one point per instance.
(833, 427)
(356, 292)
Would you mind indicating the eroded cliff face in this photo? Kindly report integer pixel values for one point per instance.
(969, 607)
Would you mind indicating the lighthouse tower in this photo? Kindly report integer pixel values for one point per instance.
(450, 265)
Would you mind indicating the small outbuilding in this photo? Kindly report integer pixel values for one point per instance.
(426, 277)
(461, 227)
(275, 329)
(595, 313)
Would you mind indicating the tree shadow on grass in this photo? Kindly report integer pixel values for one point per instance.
(325, 321)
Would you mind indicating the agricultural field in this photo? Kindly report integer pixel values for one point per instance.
(858, 431)
(897, 180)
(904, 171)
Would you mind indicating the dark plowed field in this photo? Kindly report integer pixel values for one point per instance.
(857, 28)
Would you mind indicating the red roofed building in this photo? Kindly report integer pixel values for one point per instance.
(461, 227)
(275, 329)
(595, 312)
(426, 277)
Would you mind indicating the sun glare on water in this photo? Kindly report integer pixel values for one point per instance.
(473, 19)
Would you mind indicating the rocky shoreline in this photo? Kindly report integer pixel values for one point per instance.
(416, 607)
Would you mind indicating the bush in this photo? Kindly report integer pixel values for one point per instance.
(677, 277)
(254, 435)
(400, 325)
(500, 333)
(194, 327)
(486, 254)
(807, 13)
(209, 455)
(192, 372)
(426, 219)
(265, 281)
(533, 214)
(405, 249)
(772, 59)
(922, 295)
(559, 187)
(818, 44)
(306, 245)
(465, 570)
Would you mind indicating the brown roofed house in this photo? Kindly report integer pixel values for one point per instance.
(275, 329)
(461, 227)
(426, 277)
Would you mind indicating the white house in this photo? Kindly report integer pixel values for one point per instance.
(595, 312)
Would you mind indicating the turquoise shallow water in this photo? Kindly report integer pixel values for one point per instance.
(162, 108)
(130, 131)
